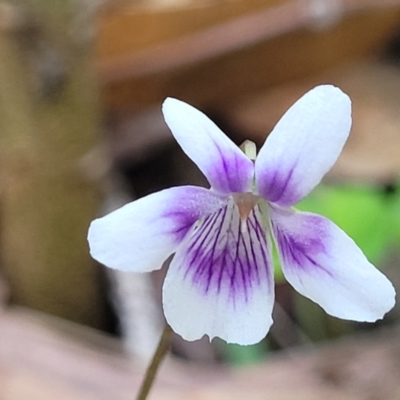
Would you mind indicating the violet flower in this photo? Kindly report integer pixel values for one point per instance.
(220, 282)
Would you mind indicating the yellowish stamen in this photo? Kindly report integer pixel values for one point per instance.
(249, 148)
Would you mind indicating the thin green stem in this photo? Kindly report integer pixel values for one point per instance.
(155, 363)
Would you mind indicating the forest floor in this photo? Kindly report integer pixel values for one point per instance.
(45, 358)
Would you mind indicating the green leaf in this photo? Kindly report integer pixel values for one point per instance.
(245, 355)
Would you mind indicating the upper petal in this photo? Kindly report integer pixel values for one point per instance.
(324, 264)
(141, 235)
(220, 281)
(303, 146)
(226, 167)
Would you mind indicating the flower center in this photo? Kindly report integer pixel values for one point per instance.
(245, 202)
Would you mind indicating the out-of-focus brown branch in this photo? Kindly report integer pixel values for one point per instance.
(234, 35)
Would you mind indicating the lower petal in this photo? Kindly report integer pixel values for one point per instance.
(324, 264)
(141, 235)
(220, 282)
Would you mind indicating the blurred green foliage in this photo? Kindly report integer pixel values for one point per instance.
(244, 355)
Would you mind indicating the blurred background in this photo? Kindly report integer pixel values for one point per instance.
(81, 133)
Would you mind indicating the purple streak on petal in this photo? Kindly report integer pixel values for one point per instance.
(221, 256)
(210, 270)
(184, 223)
(276, 186)
(230, 174)
(241, 243)
(258, 233)
(205, 233)
(303, 250)
(184, 212)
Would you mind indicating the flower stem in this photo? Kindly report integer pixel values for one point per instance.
(155, 363)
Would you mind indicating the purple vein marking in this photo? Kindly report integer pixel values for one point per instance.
(199, 237)
(224, 253)
(220, 255)
(200, 255)
(296, 254)
(261, 238)
(238, 261)
(279, 183)
(203, 233)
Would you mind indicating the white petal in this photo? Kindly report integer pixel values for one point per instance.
(220, 282)
(303, 146)
(322, 263)
(141, 235)
(226, 167)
